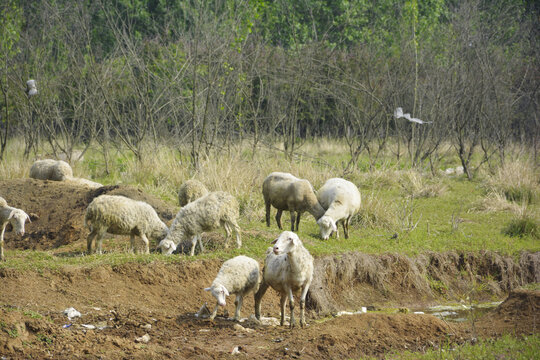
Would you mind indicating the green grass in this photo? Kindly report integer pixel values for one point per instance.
(505, 347)
(404, 210)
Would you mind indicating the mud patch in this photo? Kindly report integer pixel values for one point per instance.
(58, 210)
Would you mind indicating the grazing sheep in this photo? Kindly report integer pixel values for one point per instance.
(49, 169)
(16, 217)
(119, 215)
(204, 214)
(190, 191)
(341, 198)
(240, 276)
(288, 268)
(286, 192)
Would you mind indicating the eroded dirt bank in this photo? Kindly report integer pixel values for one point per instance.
(160, 300)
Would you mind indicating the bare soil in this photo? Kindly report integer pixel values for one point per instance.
(127, 301)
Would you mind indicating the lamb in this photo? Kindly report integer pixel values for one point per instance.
(240, 276)
(119, 215)
(287, 192)
(16, 217)
(190, 191)
(49, 169)
(288, 268)
(204, 214)
(341, 198)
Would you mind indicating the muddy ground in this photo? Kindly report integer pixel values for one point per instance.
(127, 301)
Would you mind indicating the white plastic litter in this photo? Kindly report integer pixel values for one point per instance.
(71, 313)
(419, 312)
(87, 326)
(203, 312)
(235, 350)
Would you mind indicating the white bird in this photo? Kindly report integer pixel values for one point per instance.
(31, 89)
(398, 113)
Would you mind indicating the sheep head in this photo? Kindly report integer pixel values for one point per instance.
(327, 226)
(17, 218)
(167, 246)
(220, 292)
(285, 242)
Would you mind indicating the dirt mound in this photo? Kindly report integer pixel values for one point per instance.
(57, 210)
(518, 314)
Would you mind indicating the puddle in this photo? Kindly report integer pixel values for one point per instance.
(459, 312)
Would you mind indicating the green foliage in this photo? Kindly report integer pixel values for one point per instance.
(505, 347)
(524, 225)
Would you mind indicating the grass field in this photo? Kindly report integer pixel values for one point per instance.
(403, 210)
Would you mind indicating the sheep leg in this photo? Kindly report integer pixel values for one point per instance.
(199, 240)
(227, 234)
(346, 227)
(193, 243)
(267, 205)
(258, 297)
(291, 306)
(293, 219)
(214, 313)
(298, 220)
(99, 242)
(303, 305)
(282, 303)
(2, 257)
(238, 303)
(278, 219)
(146, 244)
(89, 241)
(132, 243)
(237, 234)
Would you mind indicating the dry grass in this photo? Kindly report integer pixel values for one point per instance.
(495, 201)
(517, 181)
(417, 185)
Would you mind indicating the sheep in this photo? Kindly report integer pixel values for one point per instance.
(240, 276)
(288, 268)
(190, 191)
(204, 214)
(49, 169)
(341, 199)
(16, 217)
(286, 192)
(119, 215)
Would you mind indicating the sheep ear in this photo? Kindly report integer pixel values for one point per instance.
(207, 289)
(226, 292)
(11, 214)
(28, 217)
(274, 241)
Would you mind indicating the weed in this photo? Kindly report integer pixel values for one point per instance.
(524, 225)
(32, 314)
(44, 338)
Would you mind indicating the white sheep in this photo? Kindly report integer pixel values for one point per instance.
(288, 268)
(240, 276)
(119, 215)
(342, 200)
(49, 169)
(204, 214)
(286, 192)
(16, 217)
(190, 191)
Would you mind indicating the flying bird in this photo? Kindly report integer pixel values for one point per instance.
(31, 89)
(398, 113)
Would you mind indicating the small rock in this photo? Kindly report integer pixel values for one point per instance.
(89, 327)
(146, 326)
(241, 328)
(143, 339)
